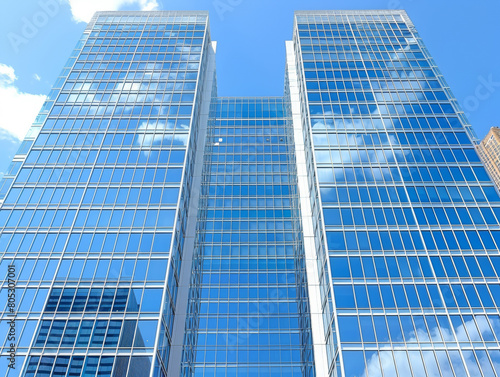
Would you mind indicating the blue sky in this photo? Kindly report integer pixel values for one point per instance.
(37, 36)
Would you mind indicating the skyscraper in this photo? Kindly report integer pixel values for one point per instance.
(347, 228)
(489, 151)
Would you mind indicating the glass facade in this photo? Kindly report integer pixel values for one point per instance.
(248, 310)
(347, 228)
(94, 219)
(410, 214)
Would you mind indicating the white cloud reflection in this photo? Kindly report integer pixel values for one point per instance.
(150, 134)
(439, 363)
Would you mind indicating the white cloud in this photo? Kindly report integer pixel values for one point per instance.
(36, 77)
(18, 110)
(83, 10)
(7, 75)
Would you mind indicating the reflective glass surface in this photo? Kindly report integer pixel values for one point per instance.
(410, 214)
(389, 227)
(248, 308)
(94, 218)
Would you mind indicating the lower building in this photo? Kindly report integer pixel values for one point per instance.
(489, 151)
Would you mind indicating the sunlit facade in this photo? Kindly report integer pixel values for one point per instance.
(348, 228)
(410, 218)
(489, 151)
(94, 216)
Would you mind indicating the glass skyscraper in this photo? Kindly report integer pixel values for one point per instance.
(151, 228)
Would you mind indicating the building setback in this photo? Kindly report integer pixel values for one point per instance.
(348, 228)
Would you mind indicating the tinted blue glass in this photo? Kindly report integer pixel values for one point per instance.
(397, 216)
(248, 312)
(99, 191)
(402, 189)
